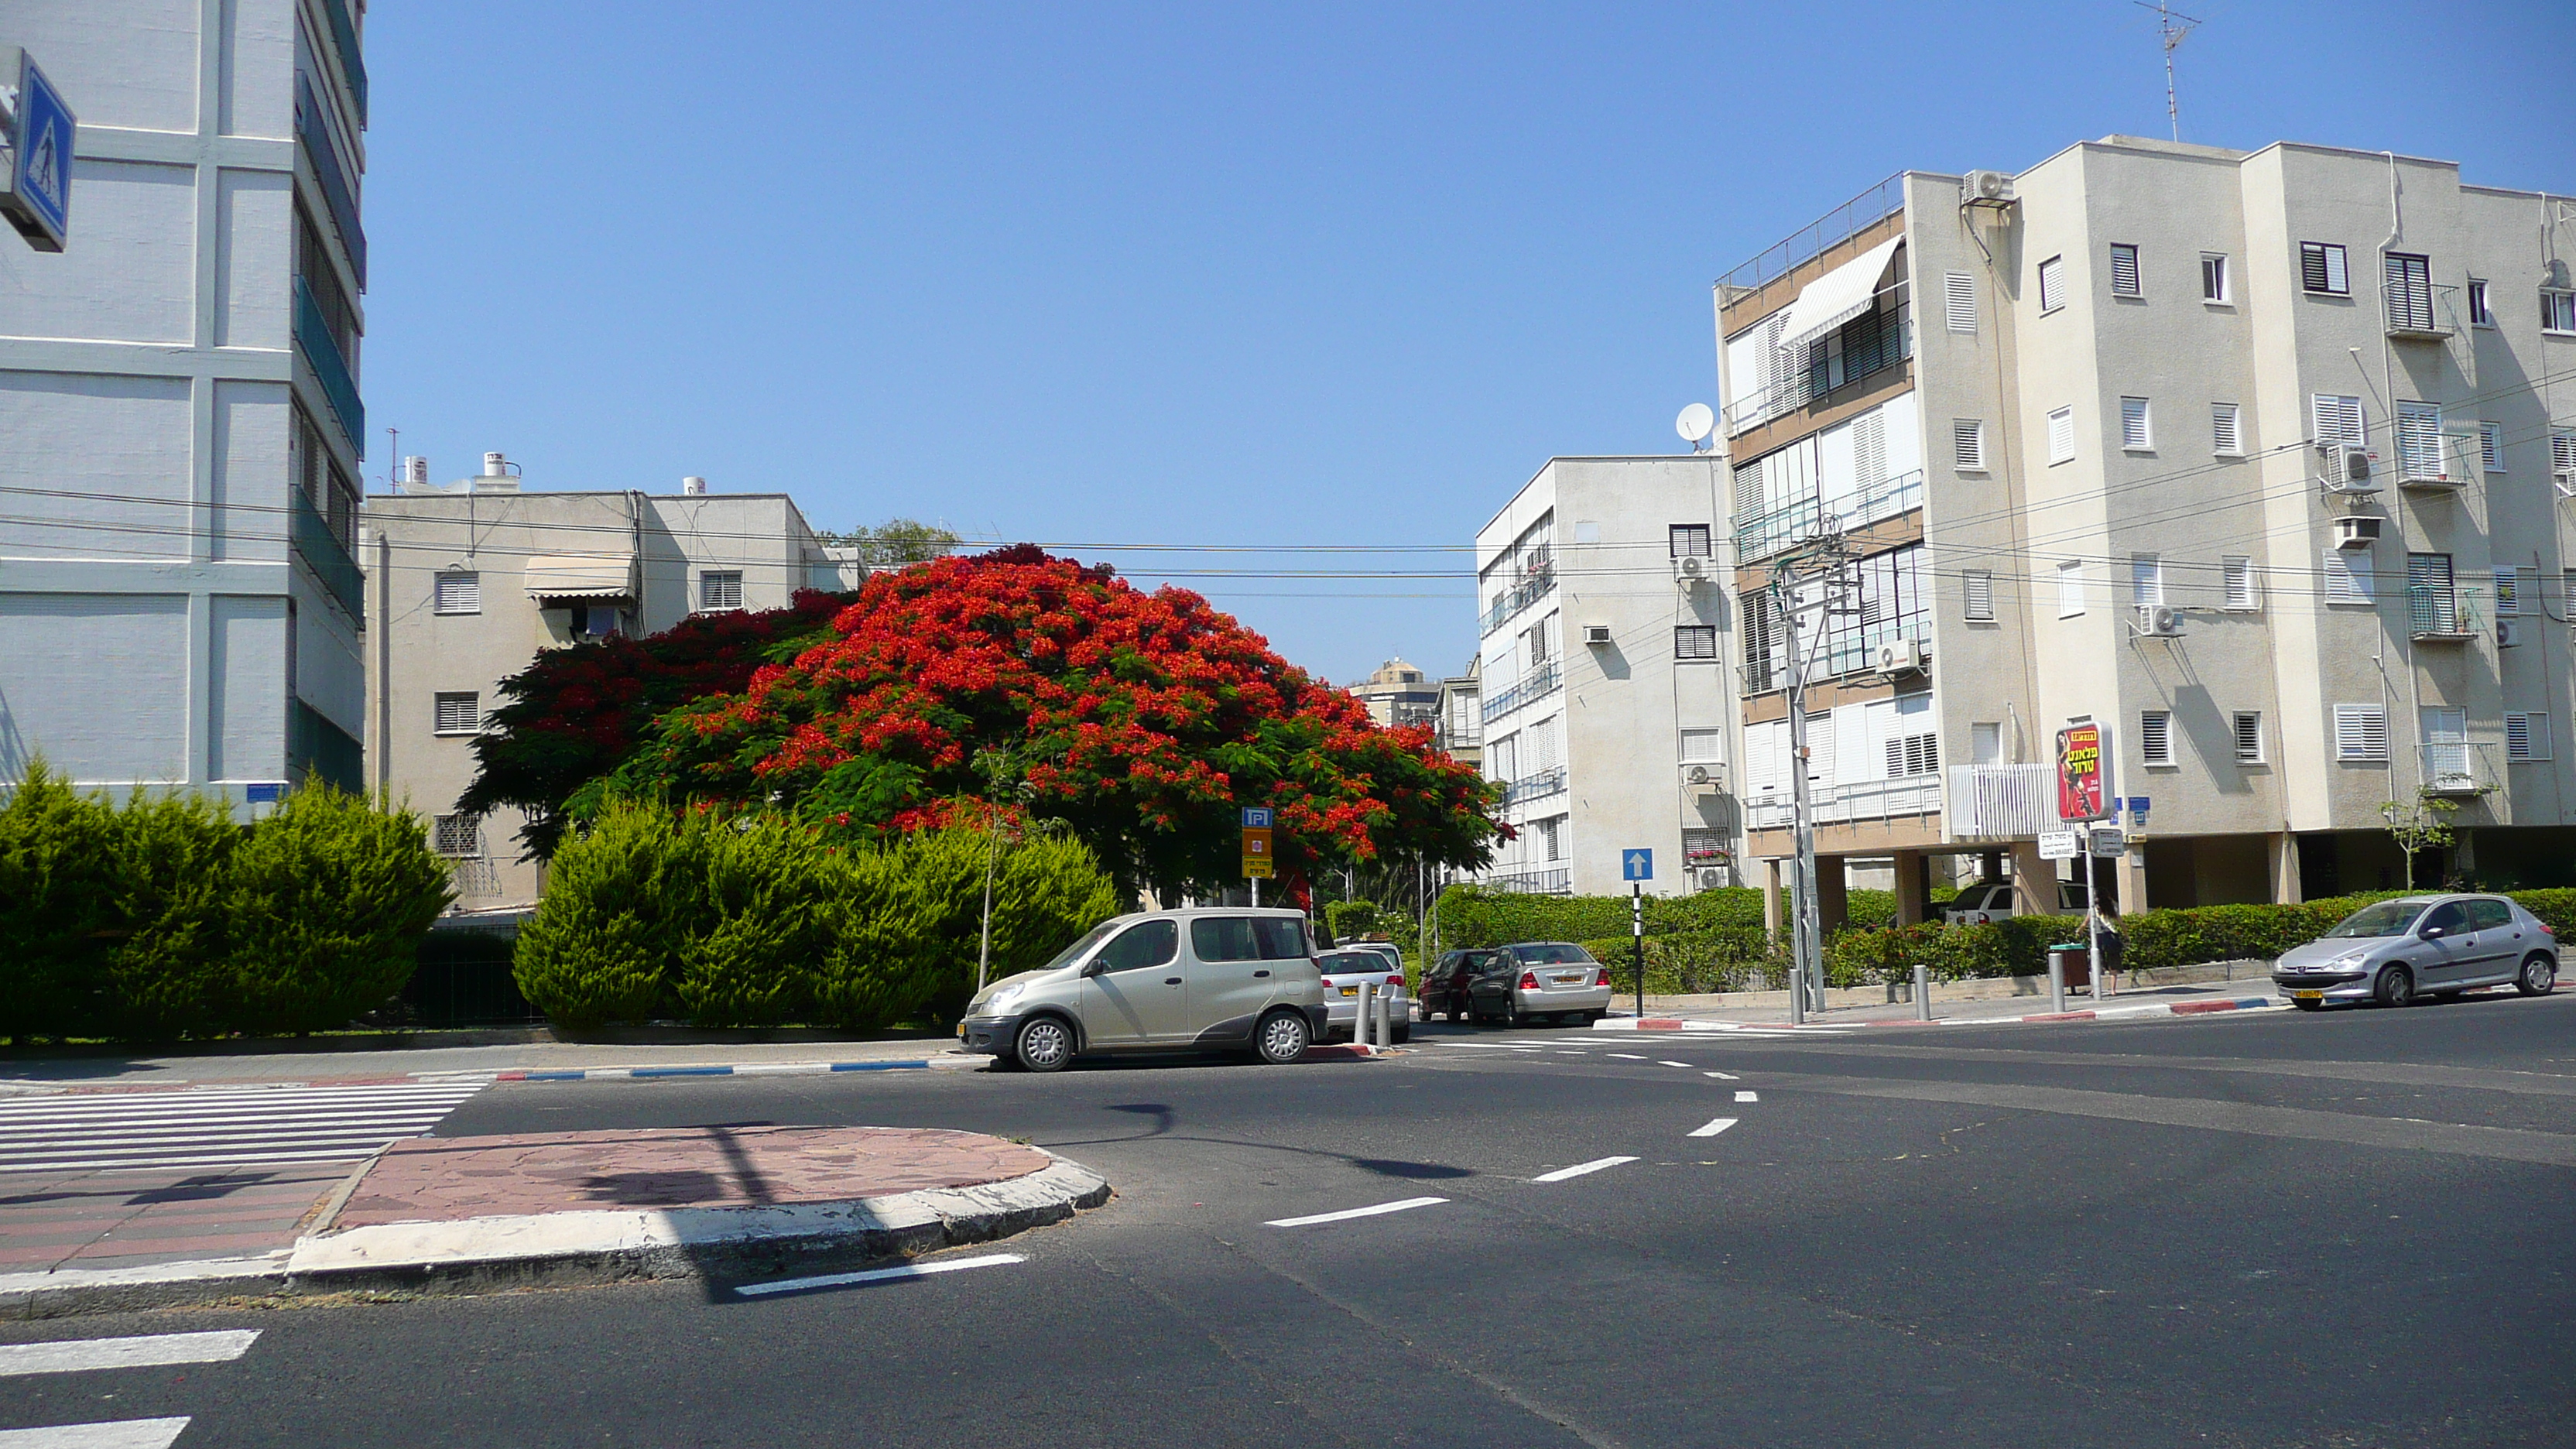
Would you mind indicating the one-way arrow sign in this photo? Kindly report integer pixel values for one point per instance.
(1636, 865)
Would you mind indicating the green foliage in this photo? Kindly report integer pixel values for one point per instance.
(1474, 916)
(619, 898)
(894, 543)
(172, 973)
(1350, 920)
(58, 906)
(326, 903)
(1691, 962)
(2423, 823)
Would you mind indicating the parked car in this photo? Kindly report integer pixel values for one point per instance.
(1345, 972)
(1993, 901)
(1444, 986)
(2394, 951)
(1556, 981)
(1159, 981)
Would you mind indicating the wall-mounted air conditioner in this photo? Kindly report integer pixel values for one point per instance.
(2159, 621)
(1704, 777)
(1709, 878)
(1903, 656)
(1596, 634)
(2508, 633)
(1692, 569)
(2359, 531)
(1992, 188)
(2347, 470)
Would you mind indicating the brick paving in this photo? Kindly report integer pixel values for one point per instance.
(445, 1179)
(125, 1219)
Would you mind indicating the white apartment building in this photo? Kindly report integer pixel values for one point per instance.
(2262, 460)
(1608, 713)
(1399, 694)
(179, 398)
(466, 585)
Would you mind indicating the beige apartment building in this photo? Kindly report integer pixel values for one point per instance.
(467, 583)
(2264, 461)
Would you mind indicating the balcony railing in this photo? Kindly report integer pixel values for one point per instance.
(330, 562)
(2417, 312)
(1534, 882)
(322, 353)
(338, 195)
(2002, 802)
(1837, 804)
(1550, 781)
(1538, 684)
(319, 749)
(1871, 343)
(2456, 768)
(344, 39)
(1534, 585)
(1805, 245)
(2440, 614)
(1804, 518)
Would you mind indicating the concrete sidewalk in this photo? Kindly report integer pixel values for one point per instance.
(163, 1071)
(473, 1213)
(1870, 1008)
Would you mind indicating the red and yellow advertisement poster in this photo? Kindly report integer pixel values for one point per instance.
(2079, 773)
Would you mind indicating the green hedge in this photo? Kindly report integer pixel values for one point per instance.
(754, 920)
(163, 918)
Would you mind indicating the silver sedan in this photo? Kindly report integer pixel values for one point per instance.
(2394, 951)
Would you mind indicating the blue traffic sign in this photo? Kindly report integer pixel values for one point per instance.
(1636, 865)
(1256, 817)
(40, 167)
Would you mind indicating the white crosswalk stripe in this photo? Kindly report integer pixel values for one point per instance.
(219, 1127)
(94, 1355)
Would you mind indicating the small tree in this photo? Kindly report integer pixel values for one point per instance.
(895, 543)
(2424, 824)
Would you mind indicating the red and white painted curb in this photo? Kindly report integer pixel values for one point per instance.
(2098, 1013)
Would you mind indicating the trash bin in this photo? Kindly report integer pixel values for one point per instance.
(2074, 964)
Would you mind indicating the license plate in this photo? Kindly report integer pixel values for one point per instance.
(2307, 995)
(1576, 980)
(1350, 991)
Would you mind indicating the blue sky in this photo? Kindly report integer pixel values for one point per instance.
(1231, 276)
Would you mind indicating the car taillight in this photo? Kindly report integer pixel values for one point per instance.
(1395, 983)
(1529, 981)
(1604, 979)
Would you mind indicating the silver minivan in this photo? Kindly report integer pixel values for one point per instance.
(2392, 952)
(1210, 978)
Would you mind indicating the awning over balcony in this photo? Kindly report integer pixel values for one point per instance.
(581, 576)
(1837, 297)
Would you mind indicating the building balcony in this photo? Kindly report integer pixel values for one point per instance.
(330, 368)
(2420, 313)
(2002, 802)
(330, 563)
(1554, 882)
(339, 196)
(1550, 781)
(2440, 614)
(1838, 804)
(1766, 534)
(1536, 583)
(1866, 346)
(344, 41)
(317, 749)
(1536, 685)
(2457, 769)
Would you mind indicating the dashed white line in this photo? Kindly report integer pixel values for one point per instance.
(1628, 1056)
(872, 1275)
(1713, 1128)
(115, 1434)
(1723, 1076)
(1580, 1168)
(1347, 1213)
(79, 1354)
(1748, 1096)
(1685, 1066)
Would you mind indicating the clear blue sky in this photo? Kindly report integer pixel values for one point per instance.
(1231, 274)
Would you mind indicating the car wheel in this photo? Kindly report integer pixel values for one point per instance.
(1045, 1044)
(1401, 1034)
(2395, 987)
(1281, 1038)
(2539, 975)
(2297, 1005)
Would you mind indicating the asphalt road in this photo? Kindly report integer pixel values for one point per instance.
(2341, 1230)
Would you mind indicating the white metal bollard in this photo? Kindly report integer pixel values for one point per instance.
(1361, 1018)
(1386, 1006)
(1922, 993)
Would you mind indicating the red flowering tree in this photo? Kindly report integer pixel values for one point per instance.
(1144, 721)
(575, 714)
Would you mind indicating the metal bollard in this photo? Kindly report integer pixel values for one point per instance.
(1386, 1020)
(1360, 1020)
(1922, 993)
(2056, 984)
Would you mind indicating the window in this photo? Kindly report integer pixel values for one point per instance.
(1986, 742)
(2349, 578)
(2249, 736)
(458, 593)
(2238, 573)
(2155, 736)
(1689, 540)
(2052, 284)
(2562, 454)
(1895, 603)
(1968, 444)
(2321, 269)
(1981, 596)
(2338, 420)
(1247, 938)
(1551, 838)
(2410, 292)
(2124, 269)
(2226, 430)
(459, 714)
(1150, 943)
(2558, 311)
(2491, 447)
(2135, 434)
(2070, 589)
(1913, 755)
(459, 835)
(2419, 443)
(1703, 847)
(1959, 297)
(2146, 580)
(2061, 436)
(2361, 732)
(2480, 314)
(1703, 747)
(2526, 738)
(2213, 278)
(1695, 641)
(720, 590)
(2515, 595)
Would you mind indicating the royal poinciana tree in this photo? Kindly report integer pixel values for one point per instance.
(575, 715)
(1145, 722)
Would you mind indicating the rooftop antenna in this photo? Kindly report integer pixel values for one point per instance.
(2173, 32)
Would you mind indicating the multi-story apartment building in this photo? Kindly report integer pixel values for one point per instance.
(2262, 460)
(179, 396)
(1607, 711)
(1399, 694)
(465, 585)
(1459, 730)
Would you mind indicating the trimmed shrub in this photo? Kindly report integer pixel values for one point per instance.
(766, 915)
(619, 898)
(171, 974)
(58, 907)
(326, 902)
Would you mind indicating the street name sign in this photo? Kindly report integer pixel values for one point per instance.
(2058, 845)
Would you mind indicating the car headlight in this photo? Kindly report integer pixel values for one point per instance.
(1001, 1000)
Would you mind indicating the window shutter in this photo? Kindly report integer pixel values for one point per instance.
(2339, 420)
(1695, 641)
(2052, 284)
(1869, 447)
(2361, 732)
(2124, 269)
(2134, 432)
(1959, 295)
(2146, 580)
(2517, 737)
(1968, 444)
(2061, 435)
(2508, 595)
(2491, 447)
(2346, 583)
(2419, 442)
(1981, 596)
(459, 593)
(2239, 572)
(2070, 589)
(2562, 453)
(2410, 291)
(2249, 737)
(2155, 736)
(2226, 436)
(458, 714)
(2312, 267)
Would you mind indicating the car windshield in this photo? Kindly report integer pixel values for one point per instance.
(1344, 962)
(2383, 918)
(1553, 953)
(1075, 952)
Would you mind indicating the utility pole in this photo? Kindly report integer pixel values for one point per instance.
(2172, 33)
(1821, 560)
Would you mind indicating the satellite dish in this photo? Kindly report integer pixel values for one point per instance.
(1695, 423)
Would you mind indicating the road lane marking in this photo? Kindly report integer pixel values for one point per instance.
(1685, 1066)
(119, 1434)
(1628, 1057)
(1580, 1168)
(78, 1354)
(872, 1275)
(1748, 1096)
(1723, 1076)
(1347, 1213)
(1713, 1128)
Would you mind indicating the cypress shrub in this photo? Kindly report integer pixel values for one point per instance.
(58, 907)
(915, 917)
(325, 904)
(170, 974)
(770, 904)
(618, 899)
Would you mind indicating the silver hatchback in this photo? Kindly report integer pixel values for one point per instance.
(1159, 981)
(2394, 951)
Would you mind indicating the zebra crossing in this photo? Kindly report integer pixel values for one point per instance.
(218, 1127)
(95, 1355)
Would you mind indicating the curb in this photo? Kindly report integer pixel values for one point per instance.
(580, 1248)
(957, 1062)
(2102, 1013)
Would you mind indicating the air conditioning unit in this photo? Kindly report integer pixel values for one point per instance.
(2508, 633)
(1709, 878)
(1993, 187)
(2565, 482)
(1704, 777)
(2346, 470)
(1902, 656)
(1692, 569)
(1596, 634)
(2359, 531)
(2159, 621)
